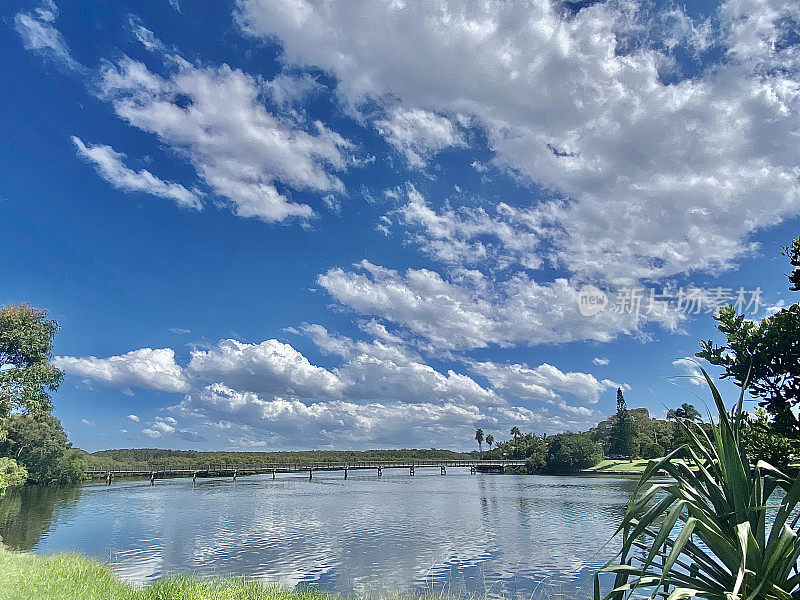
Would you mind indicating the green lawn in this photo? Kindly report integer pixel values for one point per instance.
(73, 577)
(637, 465)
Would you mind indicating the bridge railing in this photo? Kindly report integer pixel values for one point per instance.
(267, 467)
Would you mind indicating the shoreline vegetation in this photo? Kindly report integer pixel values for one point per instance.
(69, 576)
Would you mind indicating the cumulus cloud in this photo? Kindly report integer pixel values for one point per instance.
(543, 382)
(418, 134)
(386, 369)
(651, 173)
(471, 236)
(470, 312)
(216, 118)
(134, 418)
(145, 368)
(343, 422)
(109, 165)
(40, 35)
(168, 427)
(271, 368)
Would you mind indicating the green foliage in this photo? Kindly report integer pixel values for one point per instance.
(653, 450)
(40, 445)
(73, 577)
(763, 442)
(685, 411)
(571, 452)
(624, 436)
(26, 377)
(723, 529)
(764, 357)
(11, 474)
(479, 439)
(144, 457)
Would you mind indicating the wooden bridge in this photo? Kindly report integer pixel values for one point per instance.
(223, 470)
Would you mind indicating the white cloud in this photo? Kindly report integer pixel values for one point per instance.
(386, 370)
(652, 174)
(88, 423)
(471, 236)
(285, 89)
(600, 361)
(543, 382)
(418, 134)
(215, 117)
(38, 34)
(271, 367)
(344, 423)
(690, 370)
(471, 312)
(146, 368)
(109, 166)
(168, 427)
(134, 418)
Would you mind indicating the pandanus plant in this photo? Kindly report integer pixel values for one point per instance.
(722, 528)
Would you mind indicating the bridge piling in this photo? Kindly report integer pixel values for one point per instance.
(444, 470)
(345, 472)
(152, 477)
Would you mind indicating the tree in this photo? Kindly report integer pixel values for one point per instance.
(11, 474)
(490, 441)
(26, 377)
(764, 357)
(40, 445)
(479, 439)
(515, 432)
(685, 411)
(624, 433)
(571, 453)
(764, 443)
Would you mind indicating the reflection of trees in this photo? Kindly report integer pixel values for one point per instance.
(26, 513)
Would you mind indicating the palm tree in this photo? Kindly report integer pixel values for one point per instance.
(686, 411)
(490, 441)
(479, 439)
(516, 433)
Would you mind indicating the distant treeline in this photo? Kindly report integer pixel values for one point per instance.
(142, 457)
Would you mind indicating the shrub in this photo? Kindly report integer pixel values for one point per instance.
(724, 529)
(571, 452)
(11, 474)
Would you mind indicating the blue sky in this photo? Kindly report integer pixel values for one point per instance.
(280, 225)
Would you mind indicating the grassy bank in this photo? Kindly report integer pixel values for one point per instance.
(637, 465)
(74, 577)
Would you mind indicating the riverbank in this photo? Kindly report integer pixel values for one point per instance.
(74, 577)
(619, 467)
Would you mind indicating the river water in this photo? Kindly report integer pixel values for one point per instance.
(513, 536)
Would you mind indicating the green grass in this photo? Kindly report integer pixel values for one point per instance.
(73, 577)
(636, 466)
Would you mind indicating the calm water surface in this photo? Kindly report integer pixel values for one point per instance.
(494, 535)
